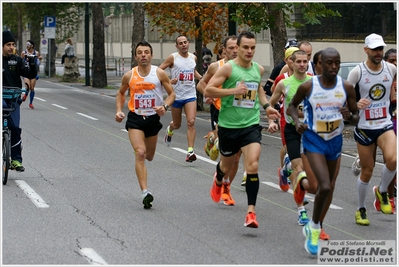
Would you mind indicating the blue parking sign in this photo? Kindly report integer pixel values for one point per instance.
(49, 21)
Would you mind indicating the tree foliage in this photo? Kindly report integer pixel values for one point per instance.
(258, 15)
(203, 21)
(67, 16)
(181, 18)
(276, 17)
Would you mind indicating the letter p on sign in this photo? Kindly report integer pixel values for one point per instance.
(49, 21)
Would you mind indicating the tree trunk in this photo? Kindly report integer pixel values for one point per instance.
(19, 37)
(138, 28)
(198, 50)
(278, 32)
(99, 72)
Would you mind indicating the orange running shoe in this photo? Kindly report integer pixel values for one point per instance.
(299, 193)
(323, 235)
(216, 190)
(226, 196)
(250, 220)
(31, 106)
(392, 200)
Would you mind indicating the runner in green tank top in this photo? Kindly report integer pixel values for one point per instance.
(239, 128)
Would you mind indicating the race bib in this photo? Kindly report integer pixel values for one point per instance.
(247, 100)
(327, 126)
(186, 76)
(375, 113)
(144, 103)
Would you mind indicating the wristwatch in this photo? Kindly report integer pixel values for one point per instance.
(166, 106)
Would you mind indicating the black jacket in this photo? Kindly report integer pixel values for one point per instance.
(13, 68)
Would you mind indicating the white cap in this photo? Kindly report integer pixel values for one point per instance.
(373, 41)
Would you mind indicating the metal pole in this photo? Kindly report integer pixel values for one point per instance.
(87, 50)
(49, 58)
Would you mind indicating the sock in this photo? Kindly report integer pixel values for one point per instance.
(169, 132)
(219, 173)
(300, 208)
(226, 180)
(252, 188)
(190, 149)
(300, 182)
(314, 225)
(386, 178)
(362, 188)
(32, 95)
(144, 192)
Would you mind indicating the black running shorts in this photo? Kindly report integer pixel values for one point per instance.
(232, 140)
(150, 125)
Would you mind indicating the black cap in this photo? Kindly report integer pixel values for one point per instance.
(7, 37)
(291, 43)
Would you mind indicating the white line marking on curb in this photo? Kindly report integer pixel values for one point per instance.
(58, 106)
(87, 116)
(34, 197)
(309, 197)
(41, 99)
(92, 257)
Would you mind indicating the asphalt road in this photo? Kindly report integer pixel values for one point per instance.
(79, 203)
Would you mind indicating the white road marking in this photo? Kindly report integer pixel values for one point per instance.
(309, 197)
(92, 257)
(198, 157)
(87, 116)
(41, 99)
(58, 106)
(34, 197)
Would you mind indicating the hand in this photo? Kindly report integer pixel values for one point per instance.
(173, 81)
(241, 89)
(363, 103)
(209, 100)
(272, 114)
(119, 116)
(273, 127)
(160, 110)
(301, 127)
(346, 114)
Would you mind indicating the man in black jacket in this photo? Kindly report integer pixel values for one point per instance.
(276, 70)
(13, 68)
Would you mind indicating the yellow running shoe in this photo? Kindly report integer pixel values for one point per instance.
(209, 142)
(214, 151)
(361, 217)
(244, 179)
(385, 205)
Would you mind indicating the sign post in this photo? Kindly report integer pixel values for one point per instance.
(49, 33)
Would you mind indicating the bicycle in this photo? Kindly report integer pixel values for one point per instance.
(11, 95)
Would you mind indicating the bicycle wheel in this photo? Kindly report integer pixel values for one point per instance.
(6, 156)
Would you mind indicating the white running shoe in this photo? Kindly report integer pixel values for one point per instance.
(356, 167)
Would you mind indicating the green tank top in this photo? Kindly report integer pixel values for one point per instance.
(241, 111)
(291, 85)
